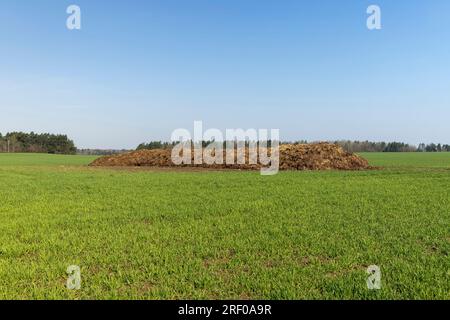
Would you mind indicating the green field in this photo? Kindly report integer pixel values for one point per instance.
(236, 235)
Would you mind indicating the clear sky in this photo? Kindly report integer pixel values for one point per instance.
(140, 69)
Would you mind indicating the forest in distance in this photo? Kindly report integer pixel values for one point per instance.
(21, 142)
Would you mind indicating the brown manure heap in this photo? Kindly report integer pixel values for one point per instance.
(318, 156)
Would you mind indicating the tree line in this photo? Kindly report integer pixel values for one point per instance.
(347, 145)
(368, 146)
(432, 147)
(61, 144)
(38, 143)
(101, 152)
(153, 145)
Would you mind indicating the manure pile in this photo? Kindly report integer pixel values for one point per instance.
(319, 156)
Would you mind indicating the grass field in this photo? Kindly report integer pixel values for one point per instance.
(235, 235)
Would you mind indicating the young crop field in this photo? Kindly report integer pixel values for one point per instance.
(174, 234)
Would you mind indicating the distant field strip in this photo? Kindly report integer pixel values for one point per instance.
(409, 159)
(33, 159)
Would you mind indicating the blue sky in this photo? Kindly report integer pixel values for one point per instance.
(140, 69)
